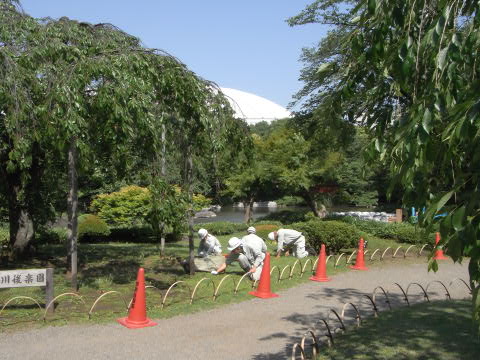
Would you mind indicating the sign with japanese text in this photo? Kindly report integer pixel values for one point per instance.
(21, 278)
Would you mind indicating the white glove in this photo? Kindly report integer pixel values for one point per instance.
(214, 272)
(201, 254)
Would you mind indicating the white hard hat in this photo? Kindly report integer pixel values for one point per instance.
(251, 230)
(202, 233)
(234, 243)
(271, 236)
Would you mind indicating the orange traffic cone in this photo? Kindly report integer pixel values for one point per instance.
(439, 252)
(137, 315)
(321, 273)
(360, 262)
(263, 290)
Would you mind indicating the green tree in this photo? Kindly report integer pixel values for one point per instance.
(83, 91)
(414, 66)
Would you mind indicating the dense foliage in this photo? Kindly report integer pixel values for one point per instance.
(91, 226)
(335, 235)
(409, 71)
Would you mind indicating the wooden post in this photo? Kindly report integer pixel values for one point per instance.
(398, 213)
(49, 291)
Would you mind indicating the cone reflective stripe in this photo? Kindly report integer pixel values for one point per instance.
(263, 290)
(360, 262)
(439, 252)
(321, 273)
(137, 315)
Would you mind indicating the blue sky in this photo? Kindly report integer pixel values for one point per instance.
(245, 45)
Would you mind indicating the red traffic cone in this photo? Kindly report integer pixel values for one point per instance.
(360, 262)
(321, 273)
(137, 315)
(263, 290)
(439, 252)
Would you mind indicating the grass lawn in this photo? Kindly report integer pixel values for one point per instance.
(114, 266)
(439, 330)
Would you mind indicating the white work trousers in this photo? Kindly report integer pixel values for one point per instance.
(298, 248)
(246, 266)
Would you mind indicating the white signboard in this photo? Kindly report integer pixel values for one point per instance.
(21, 278)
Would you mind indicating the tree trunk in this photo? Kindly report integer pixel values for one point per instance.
(20, 222)
(314, 207)
(163, 172)
(72, 210)
(189, 178)
(248, 206)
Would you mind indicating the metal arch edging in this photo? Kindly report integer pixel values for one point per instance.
(278, 272)
(384, 293)
(315, 345)
(464, 282)
(294, 351)
(338, 259)
(408, 249)
(105, 294)
(305, 266)
(373, 254)
(447, 293)
(293, 268)
(385, 251)
(358, 318)
(59, 296)
(405, 297)
(164, 300)
(220, 284)
(395, 253)
(196, 286)
(283, 270)
(21, 297)
(375, 309)
(425, 295)
(329, 333)
(342, 325)
(240, 281)
(350, 257)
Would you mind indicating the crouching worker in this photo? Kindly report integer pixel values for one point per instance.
(209, 256)
(287, 240)
(249, 255)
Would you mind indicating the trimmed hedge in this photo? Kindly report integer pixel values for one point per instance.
(335, 235)
(401, 232)
(91, 227)
(286, 216)
(222, 227)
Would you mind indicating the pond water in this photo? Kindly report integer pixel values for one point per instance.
(236, 214)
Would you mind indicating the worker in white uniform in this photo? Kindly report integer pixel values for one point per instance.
(253, 238)
(209, 254)
(289, 239)
(249, 255)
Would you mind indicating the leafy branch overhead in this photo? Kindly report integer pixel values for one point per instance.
(409, 72)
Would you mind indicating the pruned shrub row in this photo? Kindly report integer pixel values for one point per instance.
(335, 235)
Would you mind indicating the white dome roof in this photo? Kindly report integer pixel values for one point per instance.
(254, 108)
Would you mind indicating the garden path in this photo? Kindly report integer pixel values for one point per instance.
(255, 329)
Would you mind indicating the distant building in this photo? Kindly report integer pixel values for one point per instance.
(253, 108)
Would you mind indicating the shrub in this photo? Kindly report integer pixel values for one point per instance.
(222, 227)
(4, 235)
(402, 232)
(56, 235)
(335, 235)
(407, 233)
(286, 216)
(91, 226)
(138, 234)
(127, 207)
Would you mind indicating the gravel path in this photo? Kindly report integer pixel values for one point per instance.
(256, 329)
